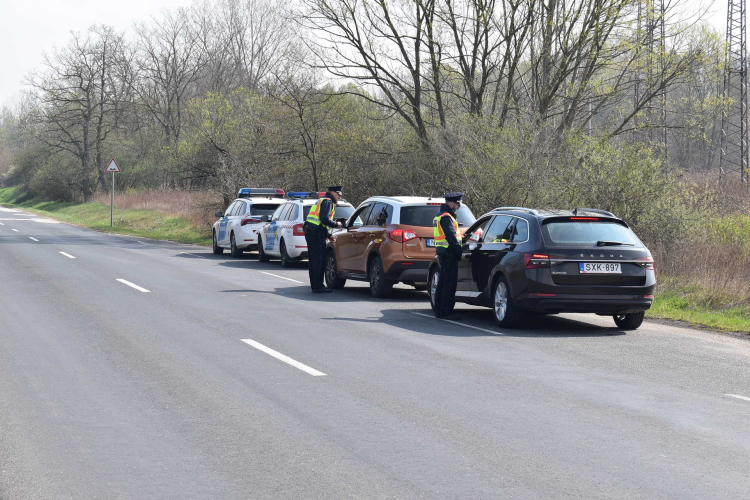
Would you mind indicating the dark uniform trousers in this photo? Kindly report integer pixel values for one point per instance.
(316, 249)
(447, 281)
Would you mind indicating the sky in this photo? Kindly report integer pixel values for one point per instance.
(28, 28)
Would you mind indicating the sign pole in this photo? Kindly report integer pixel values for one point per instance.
(112, 203)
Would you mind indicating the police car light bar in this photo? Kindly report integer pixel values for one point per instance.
(299, 194)
(248, 192)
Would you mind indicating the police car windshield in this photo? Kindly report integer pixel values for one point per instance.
(263, 209)
(422, 216)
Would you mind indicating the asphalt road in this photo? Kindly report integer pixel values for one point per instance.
(110, 391)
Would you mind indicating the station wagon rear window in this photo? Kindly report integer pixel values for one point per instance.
(259, 209)
(587, 233)
(422, 216)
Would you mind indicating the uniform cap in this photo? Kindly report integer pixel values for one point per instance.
(336, 189)
(455, 197)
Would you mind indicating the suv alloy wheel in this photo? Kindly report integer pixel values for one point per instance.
(380, 287)
(506, 314)
(217, 249)
(331, 275)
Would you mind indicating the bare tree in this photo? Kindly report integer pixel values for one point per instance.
(77, 99)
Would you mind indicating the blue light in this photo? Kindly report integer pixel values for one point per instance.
(298, 194)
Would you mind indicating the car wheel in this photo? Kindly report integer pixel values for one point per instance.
(506, 314)
(432, 290)
(217, 249)
(262, 257)
(332, 275)
(286, 261)
(380, 287)
(629, 321)
(236, 252)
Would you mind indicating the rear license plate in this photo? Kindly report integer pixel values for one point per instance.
(430, 242)
(600, 268)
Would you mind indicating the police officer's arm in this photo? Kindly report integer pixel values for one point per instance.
(325, 213)
(449, 230)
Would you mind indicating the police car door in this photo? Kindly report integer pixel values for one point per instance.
(273, 230)
(240, 209)
(223, 237)
(495, 245)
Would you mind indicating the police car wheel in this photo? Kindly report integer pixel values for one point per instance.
(236, 252)
(331, 274)
(286, 261)
(217, 249)
(262, 257)
(380, 287)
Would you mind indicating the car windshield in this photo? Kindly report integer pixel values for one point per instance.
(579, 233)
(422, 216)
(263, 209)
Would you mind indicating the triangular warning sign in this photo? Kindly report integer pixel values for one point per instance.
(112, 167)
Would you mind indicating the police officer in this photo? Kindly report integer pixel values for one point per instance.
(445, 228)
(318, 221)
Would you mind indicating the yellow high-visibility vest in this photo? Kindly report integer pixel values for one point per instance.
(437, 230)
(313, 217)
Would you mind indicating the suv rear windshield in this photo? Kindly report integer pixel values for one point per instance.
(587, 233)
(263, 209)
(422, 216)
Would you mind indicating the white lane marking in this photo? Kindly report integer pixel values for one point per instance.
(13, 219)
(277, 276)
(67, 255)
(195, 255)
(493, 332)
(133, 285)
(1, 224)
(45, 221)
(16, 230)
(141, 242)
(737, 396)
(32, 238)
(285, 359)
(7, 210)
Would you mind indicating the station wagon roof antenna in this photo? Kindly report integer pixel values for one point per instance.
(575, 211)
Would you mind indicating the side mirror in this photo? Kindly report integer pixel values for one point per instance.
(219, 214)
(265, 218)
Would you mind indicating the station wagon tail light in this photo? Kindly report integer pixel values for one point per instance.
(298, 230)
(648, 296)
(402, 235)
(584, 218)
(533, 260)
(646, 263)
(249, 220)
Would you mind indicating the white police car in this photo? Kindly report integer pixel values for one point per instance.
(284, 237)
(237, 228)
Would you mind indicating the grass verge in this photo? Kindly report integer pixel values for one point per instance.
(144, 223)
(692, 306)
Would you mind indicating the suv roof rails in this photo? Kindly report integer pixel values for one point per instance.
(595, 210)
(519, 209)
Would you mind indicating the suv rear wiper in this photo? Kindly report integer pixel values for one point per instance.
(612, 243)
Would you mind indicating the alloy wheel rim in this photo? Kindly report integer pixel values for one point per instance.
(434, 285)
(375, 276)
(501, 301)
(330, 269)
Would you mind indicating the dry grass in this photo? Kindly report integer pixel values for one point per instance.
(196, 207)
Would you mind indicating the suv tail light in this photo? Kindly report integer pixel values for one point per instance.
(298, 230)
(646, 263)
(402, 235)
(533, 260)
(249, 220)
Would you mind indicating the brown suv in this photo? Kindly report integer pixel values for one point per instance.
(387, 240)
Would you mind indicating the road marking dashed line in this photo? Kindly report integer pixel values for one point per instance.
(460, 324)
(285, 359)
(282, 277)
(67, 255)
(32, 238)
(737, 396)
(133, 285)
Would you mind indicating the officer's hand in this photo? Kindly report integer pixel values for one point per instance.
(339, 224)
